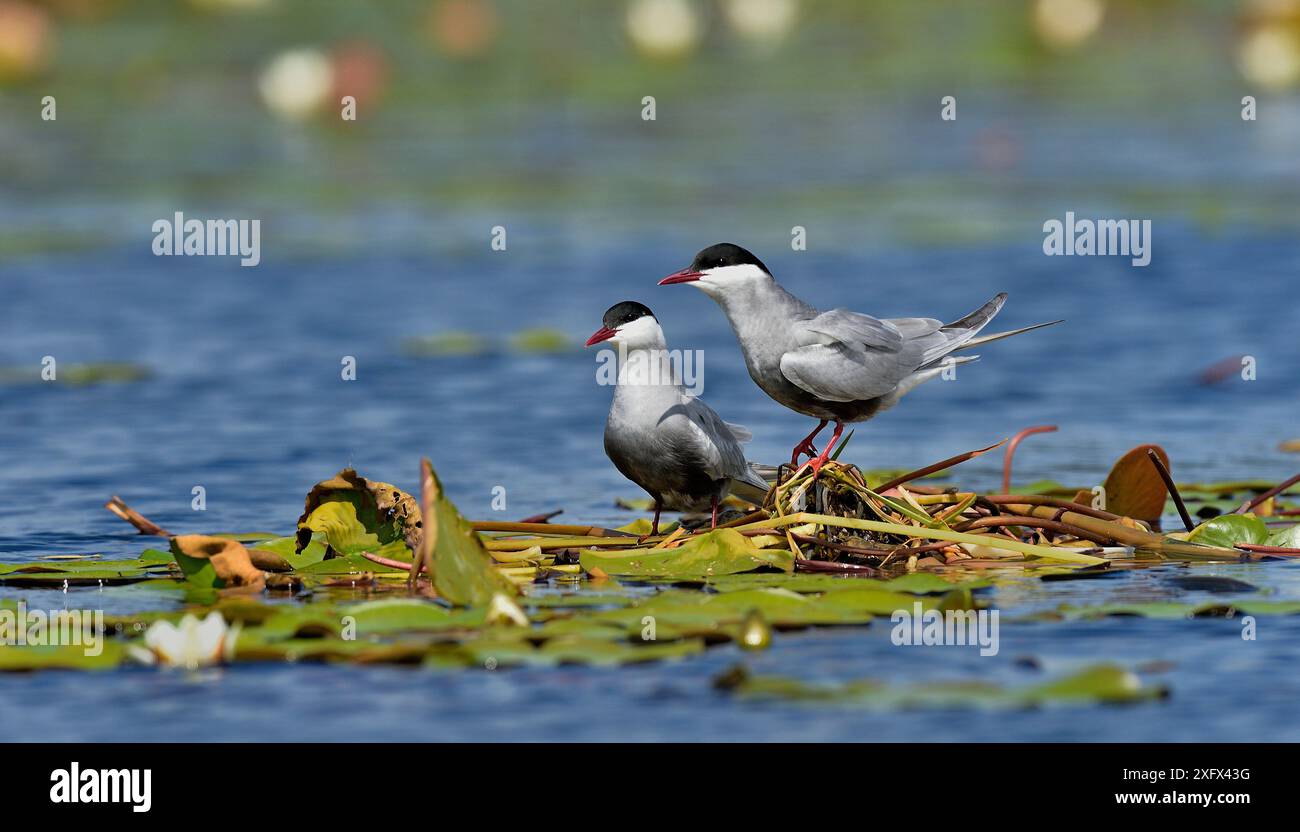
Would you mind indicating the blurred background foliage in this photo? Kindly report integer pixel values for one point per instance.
(472, 113)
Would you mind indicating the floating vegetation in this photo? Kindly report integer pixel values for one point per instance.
(374, 574)
(457, 343)
(77, 375)
(1103, 683)
(446, 344)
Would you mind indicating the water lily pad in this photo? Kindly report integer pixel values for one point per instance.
(1229, 529)
(61, 657)
(720, 552)
(395, 616)
(541, 340)
(287, 548)
(451, 551)
(916, 583)
(444, 344)
(493, 653)
(79, 375)
(1100, 684)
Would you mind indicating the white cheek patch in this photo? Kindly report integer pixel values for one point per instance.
(642, 331)
(725, 276)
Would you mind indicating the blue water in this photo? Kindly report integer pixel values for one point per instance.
(246, 397)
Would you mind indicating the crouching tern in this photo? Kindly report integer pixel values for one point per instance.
(836, 366)
(660, 437)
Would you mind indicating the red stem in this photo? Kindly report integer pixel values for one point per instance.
(1011, 450)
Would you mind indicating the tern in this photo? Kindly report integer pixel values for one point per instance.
(660, 437)
(839, 366)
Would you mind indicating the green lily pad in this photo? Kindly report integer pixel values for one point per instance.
(61, 657)
(720, 552)
(1288, 537)
(462, 571)
(393, 616)
(916, 583)
(642, 526)
(1228, 530)
(493, 653)
(313, 552)
(541, 340)
(79, 375)
(1099, 684)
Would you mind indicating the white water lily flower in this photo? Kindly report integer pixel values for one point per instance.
(193, 643)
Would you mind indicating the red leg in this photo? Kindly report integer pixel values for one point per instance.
(806, 446)
(714, 500)
(820, 460)
(654, 527)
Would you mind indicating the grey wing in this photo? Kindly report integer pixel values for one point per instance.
(850, 328)
(711, 441)
(846, 356)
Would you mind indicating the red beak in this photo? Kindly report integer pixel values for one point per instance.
(686, 275)
(602, 334)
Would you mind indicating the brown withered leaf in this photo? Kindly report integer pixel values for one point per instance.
(1133, 486)
(216, 562)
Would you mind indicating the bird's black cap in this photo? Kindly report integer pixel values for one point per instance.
(725, 254)
(625, 313)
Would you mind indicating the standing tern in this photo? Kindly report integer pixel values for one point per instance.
(661, 438)
(836, 366)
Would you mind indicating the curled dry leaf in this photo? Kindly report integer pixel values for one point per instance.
(215, 562)
(366, 514)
